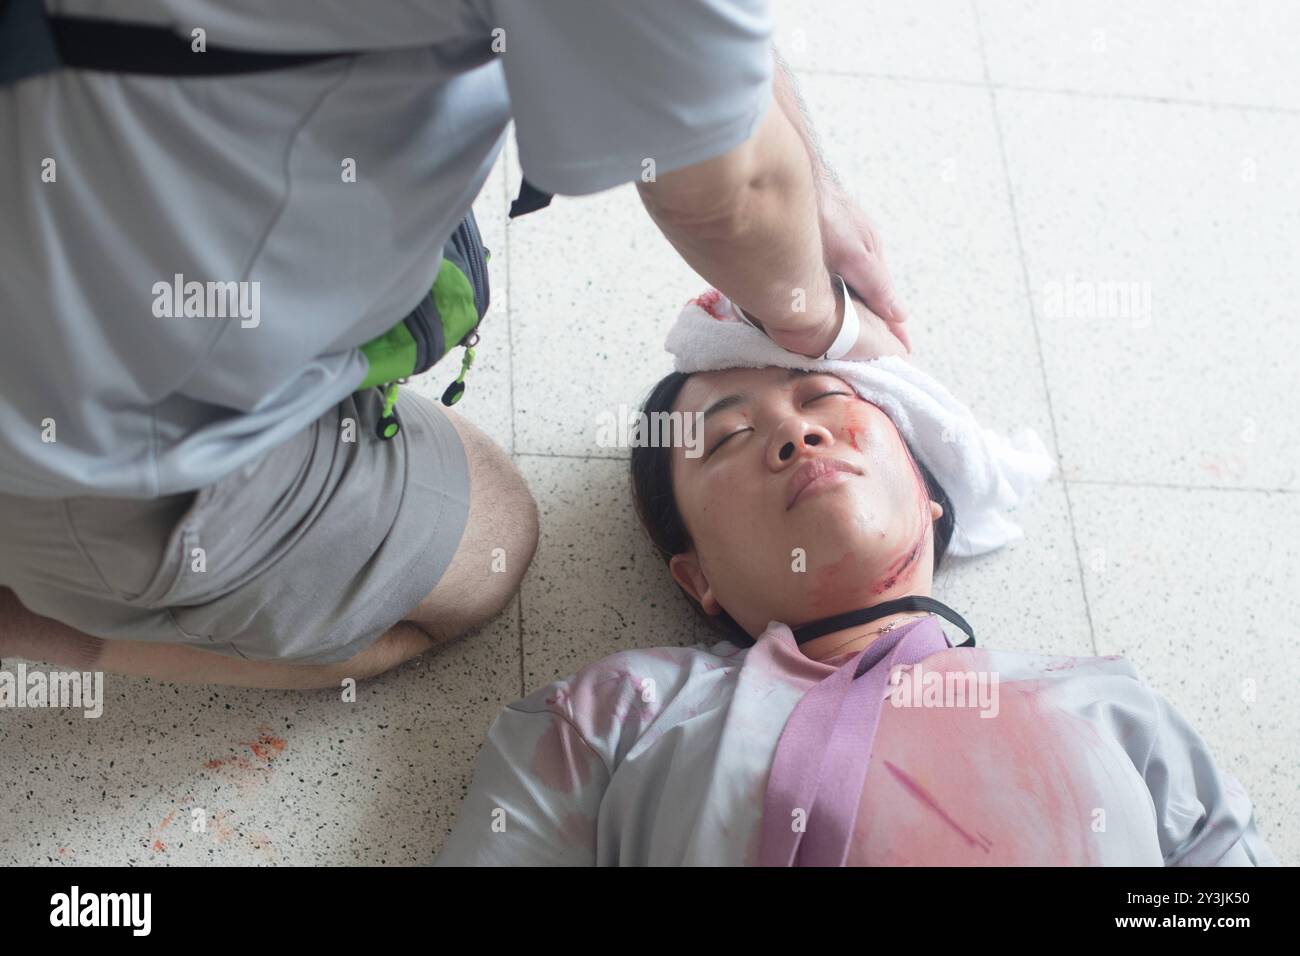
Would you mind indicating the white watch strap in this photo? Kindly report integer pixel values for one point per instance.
(740, 314)
(849, 328)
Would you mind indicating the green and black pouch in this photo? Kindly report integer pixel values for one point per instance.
(447, 317)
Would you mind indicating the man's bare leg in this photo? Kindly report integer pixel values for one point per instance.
(502, 519)
(35, 638)
(30, 636)
(191, 665)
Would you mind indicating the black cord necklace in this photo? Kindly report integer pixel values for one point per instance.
(912, 602)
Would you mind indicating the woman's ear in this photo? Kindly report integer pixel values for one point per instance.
(936, 510)
(687, 571)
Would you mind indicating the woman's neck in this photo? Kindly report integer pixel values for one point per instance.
(851, 640)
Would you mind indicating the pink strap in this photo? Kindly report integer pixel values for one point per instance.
(822, 757)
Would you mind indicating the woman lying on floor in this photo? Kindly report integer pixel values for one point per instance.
(666, 756)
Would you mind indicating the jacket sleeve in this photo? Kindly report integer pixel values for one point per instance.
(535, 796)
(598, 87)
(1204, 816)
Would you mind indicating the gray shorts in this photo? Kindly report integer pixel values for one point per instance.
(307, 554)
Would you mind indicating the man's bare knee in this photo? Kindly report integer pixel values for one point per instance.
(495, 550)
(395, 646)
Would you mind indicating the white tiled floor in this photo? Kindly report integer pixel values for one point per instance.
(1008, 150)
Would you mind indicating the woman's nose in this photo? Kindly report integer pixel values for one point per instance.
(792, 437)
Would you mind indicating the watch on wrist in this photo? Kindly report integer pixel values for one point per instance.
(849, 328)
(845, 339)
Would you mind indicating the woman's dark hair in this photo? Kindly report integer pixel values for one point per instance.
(656, 506)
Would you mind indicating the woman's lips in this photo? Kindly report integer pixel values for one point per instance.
(814, 474)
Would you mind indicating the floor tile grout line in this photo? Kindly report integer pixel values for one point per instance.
(504, 211)
(896, 77)
(519, 624)
(1174, 486)
(547, 454)
(1050, 91)
(1033, 321)
(1152, 100)
(510, 292)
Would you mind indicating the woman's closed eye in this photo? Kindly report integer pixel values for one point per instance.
(725, 438)
(824, 394)
(723, 441)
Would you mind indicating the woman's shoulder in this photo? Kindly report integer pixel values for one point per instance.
(1106, 691)
(623, 693)
(1014, 664)
(633, 664)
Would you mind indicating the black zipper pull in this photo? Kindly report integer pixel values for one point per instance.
(388, 425)
(457, 388)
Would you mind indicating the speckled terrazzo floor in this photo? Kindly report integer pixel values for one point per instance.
(1006, 148)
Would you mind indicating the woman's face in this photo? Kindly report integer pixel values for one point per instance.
(803, 503)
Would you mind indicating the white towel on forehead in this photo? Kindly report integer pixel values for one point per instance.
(983, 473)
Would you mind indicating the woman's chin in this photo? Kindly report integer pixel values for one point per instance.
(831, 521)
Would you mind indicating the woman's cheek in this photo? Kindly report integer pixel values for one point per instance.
(856, 425)
(716, 505)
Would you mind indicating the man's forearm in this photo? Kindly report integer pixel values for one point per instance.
(748, 223)
(796, 111)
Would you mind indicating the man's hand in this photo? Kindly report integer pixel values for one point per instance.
(768, 224)
(876, 337)
(853, 250)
